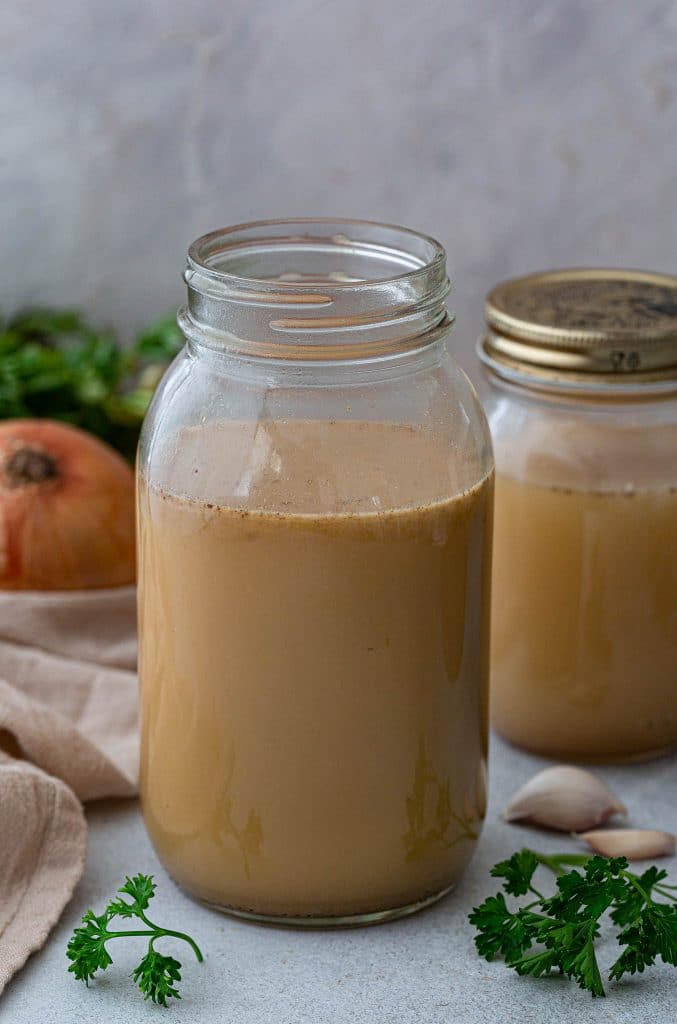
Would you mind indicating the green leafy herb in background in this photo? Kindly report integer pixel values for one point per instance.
(156, 975)
(54, 364)
(558, 933)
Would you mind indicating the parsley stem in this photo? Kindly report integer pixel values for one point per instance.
(186, 938)
(536, 903)
(120, 935)
(140, 914)
(633, 879)
(662, 891)
(157, 933)
(555, 861)
(177, 935)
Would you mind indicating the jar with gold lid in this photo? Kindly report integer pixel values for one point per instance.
(583, 412)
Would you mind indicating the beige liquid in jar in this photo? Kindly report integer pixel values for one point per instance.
(314, 667)
(584, 616)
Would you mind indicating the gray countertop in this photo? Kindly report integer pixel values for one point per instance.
(422, 970)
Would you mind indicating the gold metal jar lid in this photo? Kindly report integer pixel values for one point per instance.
(584, 321)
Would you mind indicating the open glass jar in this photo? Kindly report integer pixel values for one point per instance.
(315, 499)
(583, 412)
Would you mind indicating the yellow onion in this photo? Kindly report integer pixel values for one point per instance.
(66, 509)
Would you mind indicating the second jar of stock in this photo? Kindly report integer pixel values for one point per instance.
(583, 413)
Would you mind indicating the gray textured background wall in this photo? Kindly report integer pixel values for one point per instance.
(522, 133)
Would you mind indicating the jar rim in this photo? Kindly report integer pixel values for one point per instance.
(196, 254)
(313, 288)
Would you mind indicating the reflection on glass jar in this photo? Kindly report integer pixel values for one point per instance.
(583, 412)
(315, 500)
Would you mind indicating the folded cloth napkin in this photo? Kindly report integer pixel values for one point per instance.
(68, 733)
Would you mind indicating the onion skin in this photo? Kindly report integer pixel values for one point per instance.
(66, 509)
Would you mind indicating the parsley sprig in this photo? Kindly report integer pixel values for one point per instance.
(157, 974)
(558, 932)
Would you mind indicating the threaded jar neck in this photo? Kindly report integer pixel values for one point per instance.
(316, 289)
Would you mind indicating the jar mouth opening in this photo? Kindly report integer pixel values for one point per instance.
(341, 252)
(315, 289)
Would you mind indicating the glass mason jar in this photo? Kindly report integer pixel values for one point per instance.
(583, 412)
(315, 500)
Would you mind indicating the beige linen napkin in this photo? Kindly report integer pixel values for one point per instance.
(67, 734)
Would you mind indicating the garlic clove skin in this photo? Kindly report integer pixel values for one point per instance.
(633, 843)
(564, 798)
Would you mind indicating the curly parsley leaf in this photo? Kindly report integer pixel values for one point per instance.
(141, 888)
(156, 976)
(500, 931)
(87, 948)
(518, 872)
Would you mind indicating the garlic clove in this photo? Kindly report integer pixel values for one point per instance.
(633, 843)
(565, 798)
